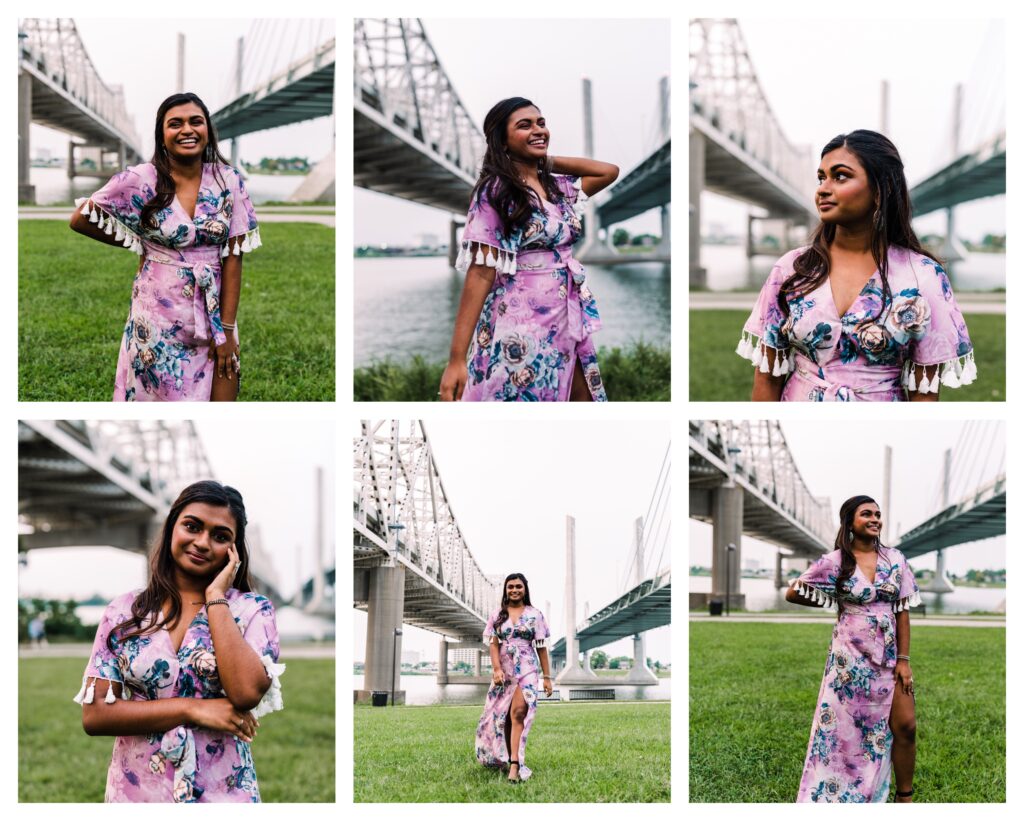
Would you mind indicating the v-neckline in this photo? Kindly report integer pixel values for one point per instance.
(519, 618)
(872, 580)
(856, 299)
(195, 207)
(188, 627)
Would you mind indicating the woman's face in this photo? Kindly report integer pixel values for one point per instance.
(867, 522)
(186, 132)
(527, 135)
(515, 591)
(844, 195)
(201, 538)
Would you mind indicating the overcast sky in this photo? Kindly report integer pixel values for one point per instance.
(489, 60)
(840, 463)
(511, 485)
(272, 464)
(806, 70)
(142, 56)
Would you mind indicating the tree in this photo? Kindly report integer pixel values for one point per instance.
(620, 237)
(613, 664)
(598, 660)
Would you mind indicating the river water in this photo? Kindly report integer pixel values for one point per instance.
(421, 690)
(729, 270)
(407, 305)
(53, 186)
(762, 595)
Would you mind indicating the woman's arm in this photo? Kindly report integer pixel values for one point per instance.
(80, 224)
(479, 280)
(161, 714)
(242, 674)
(596, 175)
(545, 667)
(497, 675)
(225, 386)
(794, 597)
(903, 673)
(767, 388)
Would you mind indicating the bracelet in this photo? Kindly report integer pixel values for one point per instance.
(228, 327)
(905, 658)
(548, 678)
(210, 604)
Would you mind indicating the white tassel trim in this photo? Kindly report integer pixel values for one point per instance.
(78, 699)
(953, 374)
(913, 600)
(110, 693)
(271, 701)
(580, 206)
(497, 258)
(242, 244)
(755, 350)
(110, 224)
(813, 594)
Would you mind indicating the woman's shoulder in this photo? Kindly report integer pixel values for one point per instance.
(835, 557)
(122, 603)
(788, 260)
(144, 171)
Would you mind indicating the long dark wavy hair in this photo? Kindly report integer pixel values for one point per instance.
(503, 613)
(512, 199)
(890, 222)
(162, 162)
(844, 542)
(161, 587)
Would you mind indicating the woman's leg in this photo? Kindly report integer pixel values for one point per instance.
(579, 392)
(517, 712)
(903, 724)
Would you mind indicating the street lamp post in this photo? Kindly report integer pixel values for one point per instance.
(394, 662)
(728, 574)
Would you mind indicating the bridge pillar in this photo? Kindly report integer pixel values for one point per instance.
(453, 240)
(779, 583)
(442, 661)
(639, 672)
(726, 529)
(26, 191)
(665, 246)
(385, 605)
(940, 582)
(698, 275)
(477, 654)
(573, 672)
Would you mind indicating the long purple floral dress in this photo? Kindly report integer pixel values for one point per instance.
(855, 356)
(175, 307)
(537, 320)
(849, 752)
(521, 667)
(186, 764)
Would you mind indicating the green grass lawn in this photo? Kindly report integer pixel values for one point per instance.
(74, 293)
(642, 373)
(58, 762)
(752, 694)
(717, 374)
(578, 753)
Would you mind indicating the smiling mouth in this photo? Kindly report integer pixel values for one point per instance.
(541, 142)
(188, 141)
(196, 557)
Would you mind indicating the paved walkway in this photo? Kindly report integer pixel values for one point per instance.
(969, 302)
(925, 621)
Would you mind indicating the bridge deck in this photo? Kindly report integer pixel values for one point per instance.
(647, 186)
(982, 516)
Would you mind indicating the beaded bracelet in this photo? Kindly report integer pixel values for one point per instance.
(210, 604)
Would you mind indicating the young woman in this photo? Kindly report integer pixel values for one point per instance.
(526, 313)
(516, 634)
(862, 313)
(187, 214)
(864, 725)
(182, 671)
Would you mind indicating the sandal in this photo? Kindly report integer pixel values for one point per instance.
(906, 794)
(517, 779)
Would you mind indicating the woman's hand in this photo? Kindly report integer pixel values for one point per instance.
(904, 677)
(218, 588)
(226, 364)
(498, 677)
(219, 714)
(453, 381)
(547, 686)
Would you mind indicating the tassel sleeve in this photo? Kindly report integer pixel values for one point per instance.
(483, 242)
(244, 229)
(929, 318)
(541, 633)
(818, 582)
(116, 208)
(764, 340)
(103, 662)
(909, 594)
(255, 617)
(490, 630)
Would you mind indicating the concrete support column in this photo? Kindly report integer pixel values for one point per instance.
(476, 661)
(26, 191)
(122, 156)
(665, 246)
(940, 583)
(750, 235)
(698, 275)
(640, 673)
(442, 661)
(71, 160)
(386, 604)
(779, 580)
(573, 672)
(453, 241)
(726, 529)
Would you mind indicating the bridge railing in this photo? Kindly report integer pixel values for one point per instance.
(725, 90)
(400, 498)
(758, 452)
(53, 48)
(398, 73)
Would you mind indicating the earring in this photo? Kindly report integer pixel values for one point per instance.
(849, 535)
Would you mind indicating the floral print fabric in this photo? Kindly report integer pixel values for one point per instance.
(849, 752)
(175, 307)
(521, 667)
(538, 318)
(185, 764)
(858, 356)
